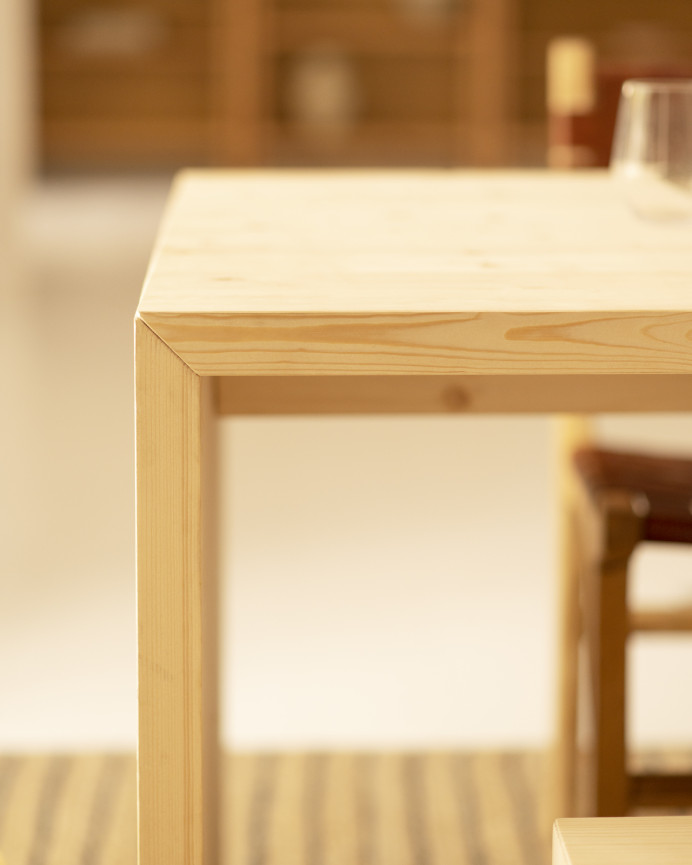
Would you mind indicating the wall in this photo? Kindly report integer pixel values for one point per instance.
(392, 581)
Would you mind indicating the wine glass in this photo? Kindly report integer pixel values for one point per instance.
(652, 148)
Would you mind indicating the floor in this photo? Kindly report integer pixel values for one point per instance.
(292, 809)
(304, 808)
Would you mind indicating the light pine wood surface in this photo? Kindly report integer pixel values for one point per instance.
(623, 841)
(430, 272)
(450, 394)
(177, 681)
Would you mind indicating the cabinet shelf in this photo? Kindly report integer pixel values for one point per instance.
(380, 32)
(369, 143)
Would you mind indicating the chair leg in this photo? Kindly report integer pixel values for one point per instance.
(607, 628)
(610, 746)
(565, 757)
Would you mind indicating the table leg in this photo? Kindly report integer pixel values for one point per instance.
(176, 609)
(571, 432)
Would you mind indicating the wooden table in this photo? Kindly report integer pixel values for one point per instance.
(623, 841)
(426, 291)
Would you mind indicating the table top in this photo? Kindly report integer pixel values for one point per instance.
(623, 841)
(273, 272)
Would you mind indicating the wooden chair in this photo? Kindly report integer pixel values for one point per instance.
(622, 500)
(611, 502)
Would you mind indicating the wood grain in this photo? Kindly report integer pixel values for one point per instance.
(430, 344)
(212, 770)
(416, 273)
(440, 394)
(572, 431)
(623, 841)
(176, 710)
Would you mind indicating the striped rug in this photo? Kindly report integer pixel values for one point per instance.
(292, 809)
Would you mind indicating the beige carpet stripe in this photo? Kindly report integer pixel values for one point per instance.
(469, 809)
(414, 784)
(297, 809)
(286, 843)
(316, 766)
(19, 820)
(289, 809)
(264, 800)
(540, 773)
(391, 845)
(118, 845)
(111, 777)
(9, 770)
(66, 819)
(446, 830)
(498, 834)
(365, 809)
(522, 813)
(341, 842)
(238, 831)
(55, 780)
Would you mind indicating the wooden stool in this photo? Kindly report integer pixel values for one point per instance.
(628, 499)
(623, 841)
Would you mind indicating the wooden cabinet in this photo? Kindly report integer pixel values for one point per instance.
(169, 82)
(123, 85)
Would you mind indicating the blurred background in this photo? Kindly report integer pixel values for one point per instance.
(407, 598)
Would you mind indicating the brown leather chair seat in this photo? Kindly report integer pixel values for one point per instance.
(634, 498)
(660, 486)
